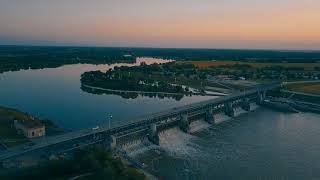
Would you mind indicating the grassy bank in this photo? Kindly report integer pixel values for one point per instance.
(207, 64)
(8, 134)
(310, 88)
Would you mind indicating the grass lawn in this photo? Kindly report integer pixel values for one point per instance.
(8, 134)
(311, 88)
(207, 64)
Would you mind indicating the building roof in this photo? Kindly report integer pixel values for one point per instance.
(30, 124)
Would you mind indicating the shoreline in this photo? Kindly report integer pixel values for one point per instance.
(149, 92)
(128, 91)
(9, 138)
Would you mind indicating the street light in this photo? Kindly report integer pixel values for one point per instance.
(110, 118)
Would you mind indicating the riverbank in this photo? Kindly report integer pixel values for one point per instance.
(94, 163)
(311, 87)
(207, 93)
(8, 134)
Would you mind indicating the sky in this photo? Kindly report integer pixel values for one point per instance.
(239, 24)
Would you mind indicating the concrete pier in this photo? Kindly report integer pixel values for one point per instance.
(245, 104)
(153, 134)
(111, 142)
(184, 123)
(229, 111)
(260, 98)
(209, 118)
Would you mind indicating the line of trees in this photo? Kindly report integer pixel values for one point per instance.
(98, 162)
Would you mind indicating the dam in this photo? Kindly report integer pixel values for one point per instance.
(148, 126)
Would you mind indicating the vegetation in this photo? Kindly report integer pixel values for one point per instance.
(310, 88)
(261, 71)
(144, 78)
(298, 97)
(259, 65)
(15, 114)
(98, 163)
(8, 134)
(13, 58)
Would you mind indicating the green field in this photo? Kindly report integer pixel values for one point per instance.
(208, 64)
(310, 88)
(8, 134)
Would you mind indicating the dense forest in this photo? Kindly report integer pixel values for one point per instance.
(13, 58)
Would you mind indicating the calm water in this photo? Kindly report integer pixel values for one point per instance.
(55, 94)
(261, 145)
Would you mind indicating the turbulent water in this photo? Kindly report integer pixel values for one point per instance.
(263, 144)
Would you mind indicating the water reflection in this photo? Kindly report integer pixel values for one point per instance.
(55, 94)
(132, 95)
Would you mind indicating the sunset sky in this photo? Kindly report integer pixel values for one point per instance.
(244, 24)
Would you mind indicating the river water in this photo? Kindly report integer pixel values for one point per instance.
(263, 144)
(55, 94)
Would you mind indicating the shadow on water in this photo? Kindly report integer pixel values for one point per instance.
(131, 95)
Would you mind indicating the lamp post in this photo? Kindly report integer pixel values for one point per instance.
(110, 118)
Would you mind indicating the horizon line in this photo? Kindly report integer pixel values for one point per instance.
(145, 47)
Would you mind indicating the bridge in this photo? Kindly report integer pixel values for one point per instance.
(148, 126)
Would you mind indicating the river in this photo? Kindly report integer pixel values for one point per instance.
(55, 94)
(263, 144)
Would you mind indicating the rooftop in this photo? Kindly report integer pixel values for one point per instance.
(30, 123)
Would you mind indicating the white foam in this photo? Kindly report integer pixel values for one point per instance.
(198, 125)
(221, 117)
(177, 143)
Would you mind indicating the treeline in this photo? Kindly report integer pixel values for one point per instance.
(14, 58)
(264, 73)
(229, 54)
(99, 55)
(121, 79)
(97, 163)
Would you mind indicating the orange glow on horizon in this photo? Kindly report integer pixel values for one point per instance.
(286, 26)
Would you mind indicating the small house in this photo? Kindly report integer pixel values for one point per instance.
(30, 128)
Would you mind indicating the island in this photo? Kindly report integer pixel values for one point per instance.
(166, 79)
